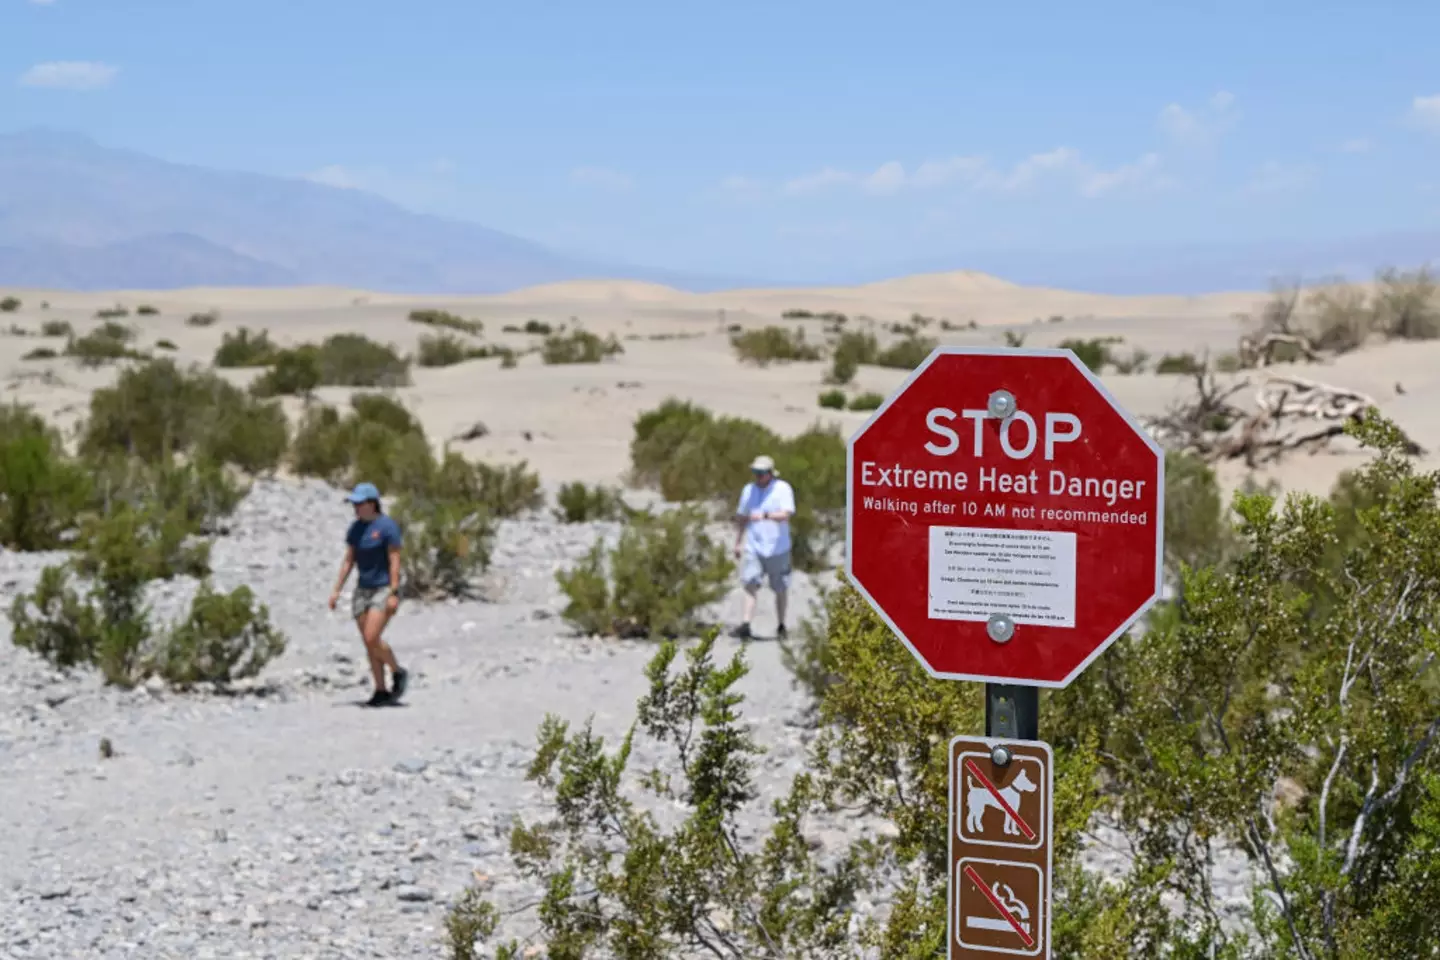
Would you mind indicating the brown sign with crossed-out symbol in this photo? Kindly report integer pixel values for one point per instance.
(1000, 824)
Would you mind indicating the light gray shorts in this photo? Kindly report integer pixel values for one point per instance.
(368, 598)
(776, 569)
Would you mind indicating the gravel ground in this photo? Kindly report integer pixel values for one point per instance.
(290, 822)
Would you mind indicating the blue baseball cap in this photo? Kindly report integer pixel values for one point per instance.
(363, 492)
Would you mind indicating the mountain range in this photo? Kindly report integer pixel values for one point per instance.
(77, 215)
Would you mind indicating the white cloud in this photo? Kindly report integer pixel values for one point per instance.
(601, 178)
(1062, 163)
(1143, 174)
(1425, 112)
(1198, 126)
(821, 180)
(69, 75)
(1032, 168)
(890, 177)
(1357, 145)
(1274, 177)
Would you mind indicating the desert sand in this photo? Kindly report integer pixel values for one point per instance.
(573, 422)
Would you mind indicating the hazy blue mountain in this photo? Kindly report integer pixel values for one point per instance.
(80, 215)
(151, 263)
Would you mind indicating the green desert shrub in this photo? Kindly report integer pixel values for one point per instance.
(342, 360)
(56, 328)
(580, 503)
(163, 344)
(320, 447)
(112, 313)
(40, 353)
(832, 399)
(354, 360)
(381, 442)
(501, 490)
(579, 346)
(292, 372)
(200, 493)
(42, 490)
(689, 454)
(1181, 363)
(10, 304)
(207, 319)
(225, 637)
(446, 350)
(906, 353)
(102, 345)
(769, 345)
(55, 622)
(245, 348)
(853, 349)
(149, 540)
(869, 400)
(538, 327)
(442, 318)
(1197, 521)
(147, 310)
(1094, 353)
(447, 546)
(664, 570)
(158, 409)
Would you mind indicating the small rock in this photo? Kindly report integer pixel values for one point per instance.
(413, 894)
(411, 766)
(475, 431)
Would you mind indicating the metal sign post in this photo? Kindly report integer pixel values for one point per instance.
(1004, 517)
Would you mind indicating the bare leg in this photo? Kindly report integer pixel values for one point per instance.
(780, 596)
(748, 610)
(381, 656)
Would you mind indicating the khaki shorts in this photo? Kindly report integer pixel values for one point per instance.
(368, 598)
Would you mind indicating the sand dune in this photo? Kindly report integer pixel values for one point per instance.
(574, 422)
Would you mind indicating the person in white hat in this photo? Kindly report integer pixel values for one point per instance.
(762, 540)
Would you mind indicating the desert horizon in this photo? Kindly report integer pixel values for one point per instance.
(679, 344)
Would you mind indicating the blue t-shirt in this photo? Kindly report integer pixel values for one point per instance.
(372, 540)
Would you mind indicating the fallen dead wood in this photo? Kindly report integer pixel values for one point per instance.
(1209, 425)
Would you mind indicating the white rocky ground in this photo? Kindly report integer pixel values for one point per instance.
(296, 824)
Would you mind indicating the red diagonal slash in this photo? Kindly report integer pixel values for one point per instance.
(1024, 827)
(999, 907)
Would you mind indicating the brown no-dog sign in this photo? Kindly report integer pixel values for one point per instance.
(1000, 823)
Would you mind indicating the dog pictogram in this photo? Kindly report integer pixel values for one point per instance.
(979, 799)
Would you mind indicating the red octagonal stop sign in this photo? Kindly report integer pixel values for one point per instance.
(1005, 516)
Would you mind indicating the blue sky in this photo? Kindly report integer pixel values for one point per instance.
(789, 139)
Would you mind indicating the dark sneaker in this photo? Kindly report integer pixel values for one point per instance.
(400, 678)
(378, 699)
(741, 632)
(780, 633)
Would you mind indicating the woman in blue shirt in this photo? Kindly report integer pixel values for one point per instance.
(373, 549)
